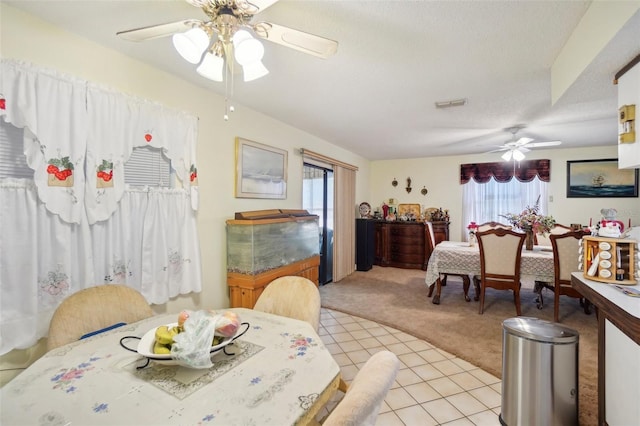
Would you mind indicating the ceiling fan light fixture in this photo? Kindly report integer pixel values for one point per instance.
(191, 44)
(211, 67)
(246, 48)
(507, 155)
(254, 70)
(518, 155)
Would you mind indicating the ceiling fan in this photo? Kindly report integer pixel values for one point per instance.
(517, 147)
(228, 33)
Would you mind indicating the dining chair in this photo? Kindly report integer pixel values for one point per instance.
(442, 279)
(361, 404)
(565, 261)
(544, 240)
(492, 225)
(293, 297)
(500, 256)
(93, 310)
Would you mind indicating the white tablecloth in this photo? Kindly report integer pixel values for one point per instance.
(455, 257)
(279, 369)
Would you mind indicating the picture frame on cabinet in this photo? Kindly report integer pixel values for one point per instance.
(261, 170)
(600, 179)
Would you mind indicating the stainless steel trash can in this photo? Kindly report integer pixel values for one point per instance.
(539, 373)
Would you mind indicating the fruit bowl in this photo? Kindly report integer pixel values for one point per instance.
(145, 346)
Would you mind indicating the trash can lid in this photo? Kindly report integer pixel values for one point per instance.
(540, 330)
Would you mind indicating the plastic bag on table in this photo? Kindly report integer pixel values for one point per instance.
(191, 348)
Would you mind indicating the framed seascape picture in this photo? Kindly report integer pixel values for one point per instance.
(261, 170)
(600, 179)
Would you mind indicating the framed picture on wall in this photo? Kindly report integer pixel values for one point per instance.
(261, 170)
(600, 179)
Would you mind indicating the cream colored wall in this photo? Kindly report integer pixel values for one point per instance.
(26, 38)
(441, 176)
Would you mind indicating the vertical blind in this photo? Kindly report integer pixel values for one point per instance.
(344, 219)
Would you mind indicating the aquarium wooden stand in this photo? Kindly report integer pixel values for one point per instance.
(245, 289)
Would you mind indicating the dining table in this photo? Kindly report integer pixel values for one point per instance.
(278, 372)
(462, 258)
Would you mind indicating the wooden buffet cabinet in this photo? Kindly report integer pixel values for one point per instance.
(406, 244)
(268, 244)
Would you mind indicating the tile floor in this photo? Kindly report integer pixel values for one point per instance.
(432, 387)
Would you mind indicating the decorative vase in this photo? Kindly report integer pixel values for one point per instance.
(528, 241)
(472, 240)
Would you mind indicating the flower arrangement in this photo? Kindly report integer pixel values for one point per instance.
(531, 220)
(472, 227)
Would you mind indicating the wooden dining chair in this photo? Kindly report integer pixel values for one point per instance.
(500, 255)
(95, 309)
(492, 225)
(565, 261)
(544, 240)
(361, 404)
(442, 279)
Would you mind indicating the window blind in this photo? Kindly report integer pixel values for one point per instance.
(13, 163)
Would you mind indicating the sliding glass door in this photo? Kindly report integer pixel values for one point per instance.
(317, 198)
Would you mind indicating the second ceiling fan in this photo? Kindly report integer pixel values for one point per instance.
(517, 147)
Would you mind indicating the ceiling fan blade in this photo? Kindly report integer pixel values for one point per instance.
(540, 144)
(522, 149)
(254, 6)
(295, 39)
(499, 149)
(157, 31)
(523, 141)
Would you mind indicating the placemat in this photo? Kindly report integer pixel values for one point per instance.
(182, 381)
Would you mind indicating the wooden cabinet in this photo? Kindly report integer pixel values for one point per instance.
(440, 231)
(405, 244)
(245, 289)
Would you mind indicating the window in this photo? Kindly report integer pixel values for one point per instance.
(148, 166)
(13, 162)
(485, 202)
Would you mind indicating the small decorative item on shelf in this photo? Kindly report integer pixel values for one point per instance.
(440, 216)
(531, 222)
(473, 228)
(385, 210)
(365, 210)
(424, 190)
(394, 182)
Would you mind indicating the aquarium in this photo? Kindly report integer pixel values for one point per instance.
(257, 246)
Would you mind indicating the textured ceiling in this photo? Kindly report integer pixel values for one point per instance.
(395, 59)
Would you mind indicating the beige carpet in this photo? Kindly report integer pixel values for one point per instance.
(398, 298)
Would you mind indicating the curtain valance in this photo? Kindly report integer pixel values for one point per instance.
(78, 136)
(524, 171)
(51, 108)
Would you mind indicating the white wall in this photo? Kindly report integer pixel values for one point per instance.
(441, 176)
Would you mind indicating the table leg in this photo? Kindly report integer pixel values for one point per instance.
(436, 298)
(466, 282)
(476, 285)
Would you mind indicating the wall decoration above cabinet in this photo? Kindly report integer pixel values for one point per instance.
(408, 188)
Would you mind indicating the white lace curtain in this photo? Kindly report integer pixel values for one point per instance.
(485, 202)
(65, 231)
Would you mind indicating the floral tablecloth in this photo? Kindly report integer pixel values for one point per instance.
(279, 369)
(455, 257)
